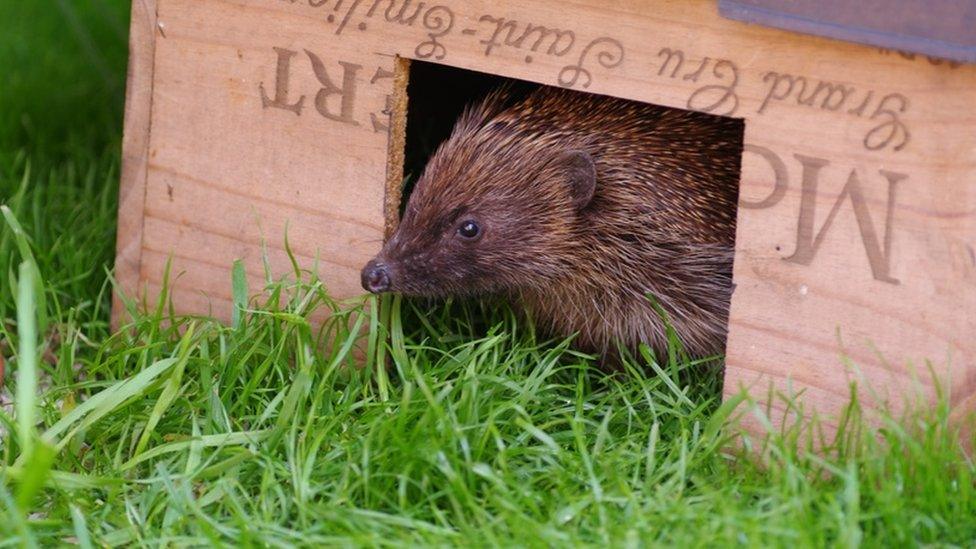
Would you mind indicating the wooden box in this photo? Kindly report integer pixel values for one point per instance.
(855, 253)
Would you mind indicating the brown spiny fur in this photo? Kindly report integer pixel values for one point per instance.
(661, 220)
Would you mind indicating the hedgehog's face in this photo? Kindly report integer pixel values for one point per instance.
(476, 231)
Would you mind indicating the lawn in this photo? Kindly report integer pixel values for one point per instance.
(181, 431)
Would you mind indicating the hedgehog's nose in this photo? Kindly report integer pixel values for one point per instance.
(376, 277)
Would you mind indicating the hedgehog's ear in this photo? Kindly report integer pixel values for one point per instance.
(581, 176)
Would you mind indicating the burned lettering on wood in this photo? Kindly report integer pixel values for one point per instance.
(678, 56)
(808, 240)
(891, 127)
(497, 32)
(780, 178)
(829, 96)
(282, 78)
(379, 125)
(391, 14)
(346, 93)
(877, 245)
(717, 97)
(335, 98)
(560, 41)
(438, 22)
(609, 53)
(832, 96)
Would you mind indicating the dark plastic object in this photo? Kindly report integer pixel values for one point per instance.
(939, 28)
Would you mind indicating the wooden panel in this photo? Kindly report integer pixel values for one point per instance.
(235, 155)
(135, 144)
(857, 223)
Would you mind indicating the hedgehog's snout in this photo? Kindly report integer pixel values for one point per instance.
(376, 277)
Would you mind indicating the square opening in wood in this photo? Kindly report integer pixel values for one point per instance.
(659, 218)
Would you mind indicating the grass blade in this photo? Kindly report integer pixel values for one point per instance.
(106, 401)
(81, 528)
(34, 275)
(170, 391)
(26, 400)
(35, 474)
(239, 291)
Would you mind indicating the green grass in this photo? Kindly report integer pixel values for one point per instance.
(181, 431)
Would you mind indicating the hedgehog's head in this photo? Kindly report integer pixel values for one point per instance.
(496, 210)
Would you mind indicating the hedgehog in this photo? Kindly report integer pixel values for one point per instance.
(608, 220)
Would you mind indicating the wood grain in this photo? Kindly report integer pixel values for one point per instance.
(397, 145)
(135, 146)
(855, 257)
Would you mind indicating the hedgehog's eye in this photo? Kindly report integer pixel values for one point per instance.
(469, 230)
